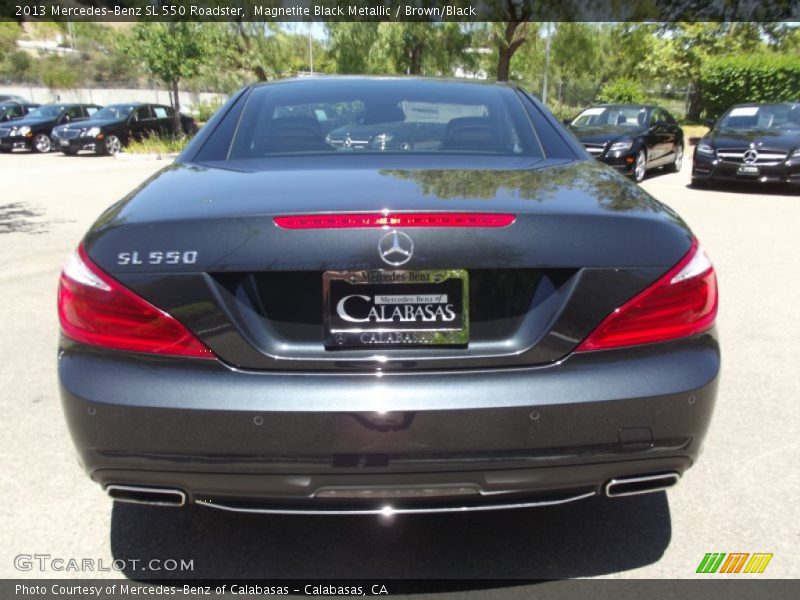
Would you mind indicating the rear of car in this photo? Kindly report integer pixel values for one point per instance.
(484, 318)
(751, 143)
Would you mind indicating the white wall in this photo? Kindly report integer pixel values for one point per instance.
(43, 95)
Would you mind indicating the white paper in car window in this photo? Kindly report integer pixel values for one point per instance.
(743, 111)
(594, 111)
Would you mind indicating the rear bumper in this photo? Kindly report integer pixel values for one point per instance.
(321, 441)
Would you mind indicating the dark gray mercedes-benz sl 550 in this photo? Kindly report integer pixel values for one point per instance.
(354, 295)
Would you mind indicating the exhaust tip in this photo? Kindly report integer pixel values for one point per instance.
(134, 494)
(643, 484)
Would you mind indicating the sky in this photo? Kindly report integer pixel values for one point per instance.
(317, 29)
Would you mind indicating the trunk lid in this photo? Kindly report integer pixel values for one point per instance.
(584, 240)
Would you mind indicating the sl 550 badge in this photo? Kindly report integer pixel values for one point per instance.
(158, 257)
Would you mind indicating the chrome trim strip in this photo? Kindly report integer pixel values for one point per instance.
(388, 510)
(674, 477)
(147, 490)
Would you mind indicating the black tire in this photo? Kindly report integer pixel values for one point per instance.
(700, 183)
(5, 150)
(675, 166)
(69, 151)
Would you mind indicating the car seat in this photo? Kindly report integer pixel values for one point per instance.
(473, 133)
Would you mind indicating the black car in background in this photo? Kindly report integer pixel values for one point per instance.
(113, 127)
(751, 142)
(632, 138)
(11, 110)
(277, 323)
(33, 131)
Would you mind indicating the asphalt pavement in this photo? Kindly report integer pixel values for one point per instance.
(742, 496)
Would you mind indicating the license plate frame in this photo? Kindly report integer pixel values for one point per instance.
(748, 171)
(430, 291)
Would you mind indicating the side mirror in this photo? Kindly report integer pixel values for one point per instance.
(566, 121)
(709, 123)
(659, 124)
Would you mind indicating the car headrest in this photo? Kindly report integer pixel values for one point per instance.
(294, 134)
(383, 114)
(473, 133)
(621, 120)
(739, 122)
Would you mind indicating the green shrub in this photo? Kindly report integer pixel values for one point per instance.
(626, 91)
(735, 79)
(565, 111)
(205, 109)
(155, 144)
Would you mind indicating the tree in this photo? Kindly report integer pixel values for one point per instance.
(350, 44)
(171, 52)
(624, 91)
(258, 49)
(508, 37)
(693, 44)
(417, 48)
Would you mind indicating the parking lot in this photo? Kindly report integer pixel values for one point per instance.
(743, 495)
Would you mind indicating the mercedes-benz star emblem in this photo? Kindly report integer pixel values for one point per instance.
(750, 156)
(396, 248)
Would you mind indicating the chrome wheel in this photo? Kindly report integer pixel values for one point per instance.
(640, 167)
(678, 158)
(41, 143)
(113, 145)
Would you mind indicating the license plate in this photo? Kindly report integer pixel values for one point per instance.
(396, 308)
(64, 142)
(748, 170)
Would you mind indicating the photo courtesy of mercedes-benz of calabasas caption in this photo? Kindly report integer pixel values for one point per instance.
(386, 295)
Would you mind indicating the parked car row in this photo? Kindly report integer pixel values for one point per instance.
(72, 127)
(750, 142)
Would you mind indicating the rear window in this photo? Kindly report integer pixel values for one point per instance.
(380, 117)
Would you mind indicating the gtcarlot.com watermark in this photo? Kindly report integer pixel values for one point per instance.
(46, 563)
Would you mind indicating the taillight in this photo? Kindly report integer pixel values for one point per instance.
(95, 309)
(681, 303)
(388, 219)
